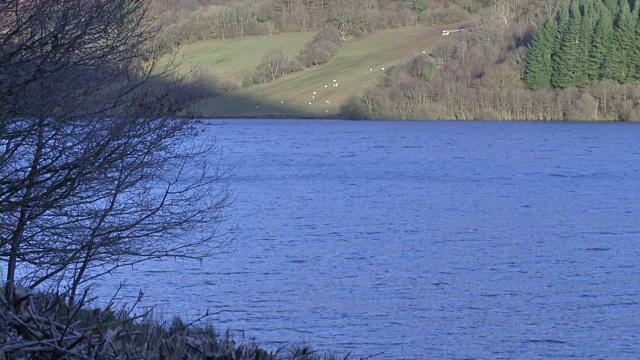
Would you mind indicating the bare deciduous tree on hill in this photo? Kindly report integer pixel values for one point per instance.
(97, 169)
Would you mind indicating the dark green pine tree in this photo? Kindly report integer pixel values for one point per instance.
(538, 71)
(635, 55)
(618, 63)
(588, 24)
(600, 45)
(613, 6)
(569, 61)
(562, 21)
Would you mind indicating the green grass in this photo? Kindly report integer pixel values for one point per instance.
(291, 95)
(230, 60)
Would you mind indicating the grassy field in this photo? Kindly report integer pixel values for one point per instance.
(357, 66)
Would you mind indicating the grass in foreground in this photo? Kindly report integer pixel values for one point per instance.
(42, 326)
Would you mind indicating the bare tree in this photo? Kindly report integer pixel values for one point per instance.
(97, 170)
(277, 63)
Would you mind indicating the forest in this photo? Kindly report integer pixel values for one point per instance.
(546, 60)
(588, 42)
(186, 21)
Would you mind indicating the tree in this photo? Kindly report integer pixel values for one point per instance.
(562, 19)
(635, 56)
(96, 170)
(538, 71)
(568, 60)
(600, 44)
(618, 62)
(277, 63)
(353, 17)
(589, 18)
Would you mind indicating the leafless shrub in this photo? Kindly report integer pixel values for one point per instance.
(277, 63)
(317, 53)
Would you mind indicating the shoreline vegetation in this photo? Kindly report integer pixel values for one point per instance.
(42, 325)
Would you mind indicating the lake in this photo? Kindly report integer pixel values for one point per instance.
(423, 240)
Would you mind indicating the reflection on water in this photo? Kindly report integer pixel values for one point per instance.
(424, 240)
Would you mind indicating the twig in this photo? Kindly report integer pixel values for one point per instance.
(372, 356)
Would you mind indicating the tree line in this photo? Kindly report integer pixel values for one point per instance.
(483, 72)
(187, 21)
(585, 42)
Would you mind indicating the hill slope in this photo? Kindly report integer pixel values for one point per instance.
(357, 66)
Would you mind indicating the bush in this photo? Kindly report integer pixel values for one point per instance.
(317, 53)
(275, 64)
(355, 109)
(229, 86)
(321, 48)
(330, 35)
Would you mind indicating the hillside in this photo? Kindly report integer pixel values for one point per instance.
(357, 66)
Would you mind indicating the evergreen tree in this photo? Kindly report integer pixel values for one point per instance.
(618, 63)
(600, 45)
(613, 6)
(588, 23)
(538, 71)
(569, 60)
(635, 54)
(562, 21)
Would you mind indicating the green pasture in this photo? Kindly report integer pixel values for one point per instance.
(357, 66)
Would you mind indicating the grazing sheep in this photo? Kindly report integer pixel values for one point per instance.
(314, 93)
(310, 104)
(334, 80)
(326, 85)
(382, 69)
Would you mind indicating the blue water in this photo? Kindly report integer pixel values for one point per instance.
(424, 240)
